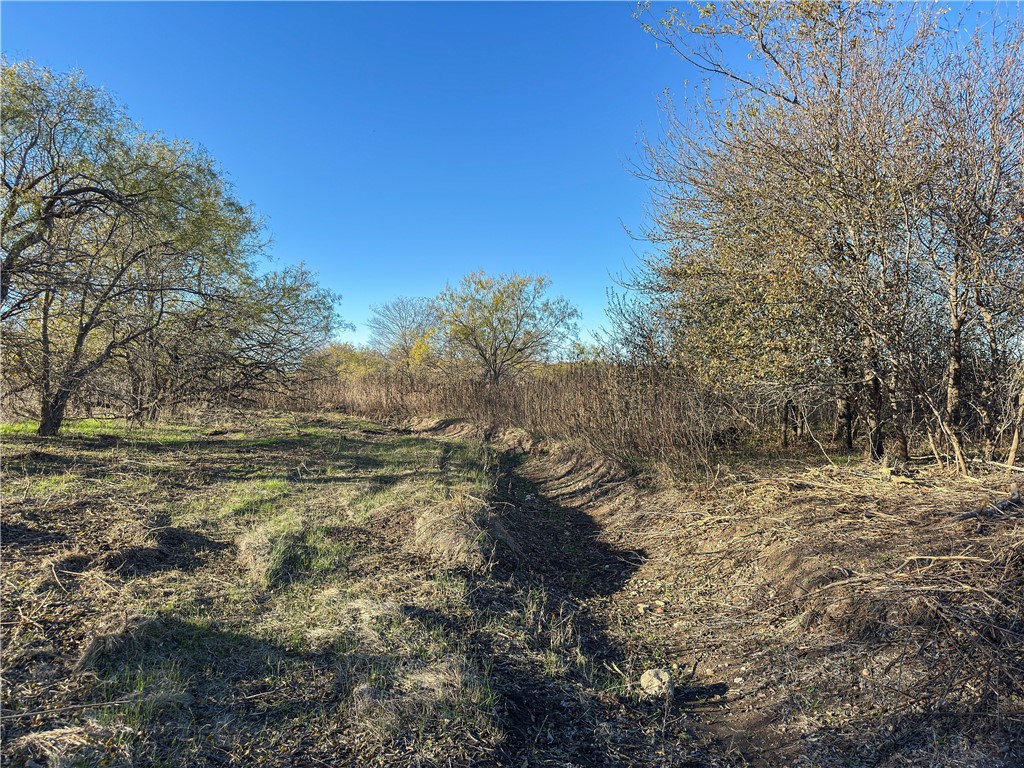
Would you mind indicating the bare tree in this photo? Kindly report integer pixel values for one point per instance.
(404, 329)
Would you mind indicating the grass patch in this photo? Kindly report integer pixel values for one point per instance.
(290, 546)
(382, 493)
(306, 552)
(28, 427)
(50, 485)
(253, 499)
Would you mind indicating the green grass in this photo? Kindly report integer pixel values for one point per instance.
(49, 485)
(108, 427)
(252, 499)
(19, 428)
(377, 495)
(290, 586)
(300, 552)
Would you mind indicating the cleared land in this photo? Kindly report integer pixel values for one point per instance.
(332, 592)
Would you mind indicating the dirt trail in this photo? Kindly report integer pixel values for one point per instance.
(576, 498)
(570, 695)
(622, 593)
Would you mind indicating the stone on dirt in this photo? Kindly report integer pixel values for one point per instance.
(657, 682)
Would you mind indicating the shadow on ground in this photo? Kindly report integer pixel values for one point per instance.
(202, 694)
(562, 697)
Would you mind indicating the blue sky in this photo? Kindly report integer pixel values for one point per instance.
(394, 147)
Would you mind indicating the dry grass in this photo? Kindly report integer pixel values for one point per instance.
(112, 636)
(258, 567)
(286, 592)
(633, 414)
(849, 617)
(170, 593)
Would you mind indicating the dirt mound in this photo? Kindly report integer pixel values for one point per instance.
(501, 438)
(453, 533)
(575, 477)
(457, 429)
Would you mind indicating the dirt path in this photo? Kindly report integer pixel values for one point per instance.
(566, 680)
(596, 714)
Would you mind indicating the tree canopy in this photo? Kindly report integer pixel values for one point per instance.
(124, 251)
(504, 324)
(846, 223)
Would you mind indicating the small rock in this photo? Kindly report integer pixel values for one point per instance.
(657, 682)
(642, 608)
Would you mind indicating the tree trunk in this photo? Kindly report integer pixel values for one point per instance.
(1011, 457)
(874, 402)
(52, 413)
(837, 432)
(845, 408)
(873, 417)
(898, 415)
(954, 370)
(901, 443)
(987, 406)
(785, 423)
(844, 422)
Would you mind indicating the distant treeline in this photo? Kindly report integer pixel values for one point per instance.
(837, 254)
(835, 257)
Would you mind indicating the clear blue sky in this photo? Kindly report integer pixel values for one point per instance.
(394, 147)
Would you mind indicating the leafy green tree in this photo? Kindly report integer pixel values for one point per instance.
(57, 165)
(124, 251)
(504, 324)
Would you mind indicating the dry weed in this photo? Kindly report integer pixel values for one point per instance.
(453, 533)
(114, 635)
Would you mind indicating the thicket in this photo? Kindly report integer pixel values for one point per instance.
(847, 220)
